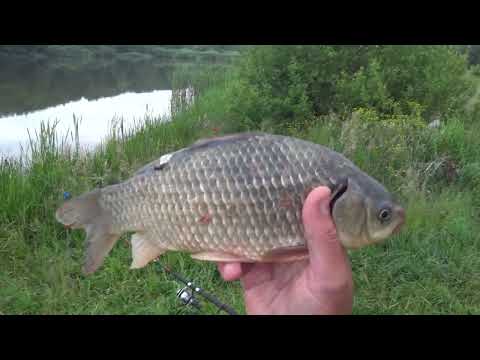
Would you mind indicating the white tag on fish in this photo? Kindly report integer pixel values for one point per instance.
(165, 158)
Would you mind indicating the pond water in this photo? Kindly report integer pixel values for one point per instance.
(61, 88)
(97, 93)
(95, 118)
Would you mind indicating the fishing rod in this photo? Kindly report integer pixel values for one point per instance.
(187, 294)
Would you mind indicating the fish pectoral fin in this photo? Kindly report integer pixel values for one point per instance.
(218, 256)
(143, 251)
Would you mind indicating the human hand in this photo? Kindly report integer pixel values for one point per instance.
(321, 284)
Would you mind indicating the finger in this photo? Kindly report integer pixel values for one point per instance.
(327, 254)
(230, 271)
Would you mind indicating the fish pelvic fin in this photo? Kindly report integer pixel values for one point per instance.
(143, 251)
(85, 212)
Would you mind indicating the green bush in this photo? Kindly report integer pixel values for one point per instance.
(287, 83)
(385, 146)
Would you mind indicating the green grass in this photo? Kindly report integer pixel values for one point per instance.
(432, 267)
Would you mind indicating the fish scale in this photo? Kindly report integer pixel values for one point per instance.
(242, 185)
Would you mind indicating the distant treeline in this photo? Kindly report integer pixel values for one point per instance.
(37, 76)
(95, 56)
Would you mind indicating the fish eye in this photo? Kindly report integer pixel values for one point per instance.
(385, 214)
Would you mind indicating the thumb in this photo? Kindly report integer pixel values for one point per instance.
(328, 258)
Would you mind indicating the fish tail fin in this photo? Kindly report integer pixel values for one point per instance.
(85, 212)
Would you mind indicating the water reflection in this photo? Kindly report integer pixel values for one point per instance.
(95, 117)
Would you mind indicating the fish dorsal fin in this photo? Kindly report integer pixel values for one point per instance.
(157, 164)
(199, 145)
(220, 140)
(209, 143)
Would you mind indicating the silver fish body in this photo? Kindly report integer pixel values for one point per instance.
(235, 198)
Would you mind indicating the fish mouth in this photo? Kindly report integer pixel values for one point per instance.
(401, 214)
(337, 191)
(397, 229)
